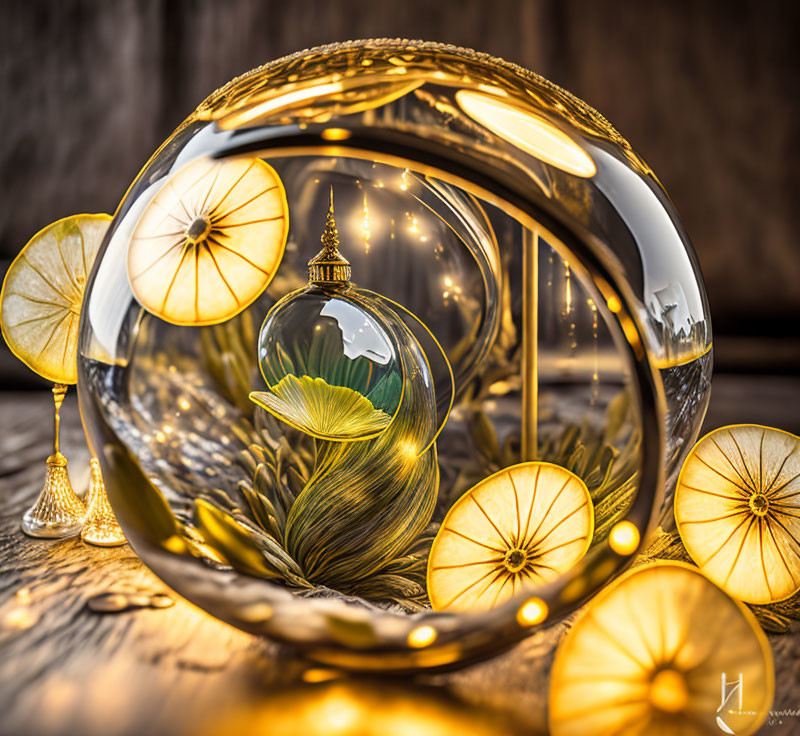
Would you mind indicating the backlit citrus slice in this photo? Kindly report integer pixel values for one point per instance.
(209, 242)
(653, 654)
(737, 506)
(42, 294)
(517, 528)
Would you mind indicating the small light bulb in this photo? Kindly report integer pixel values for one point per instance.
(532, 612)
(624, 538)
(422, 636)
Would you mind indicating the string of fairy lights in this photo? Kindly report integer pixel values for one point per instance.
(367, 225)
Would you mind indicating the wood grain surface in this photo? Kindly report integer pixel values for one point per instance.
(66, 670)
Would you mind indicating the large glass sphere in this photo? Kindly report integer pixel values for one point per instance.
(535, 346)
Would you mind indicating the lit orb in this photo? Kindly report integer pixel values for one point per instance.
(624, 538)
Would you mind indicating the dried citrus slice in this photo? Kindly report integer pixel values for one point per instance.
(737, 506)
(662, 651)
(209, 242)
(522, 526)
(42, 293)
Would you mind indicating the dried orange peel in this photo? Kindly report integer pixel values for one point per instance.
(518, 528)
(649, 654)
(737, 507)
(42, 294)
(209, 242)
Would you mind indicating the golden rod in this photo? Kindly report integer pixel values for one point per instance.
(530, 341)
(57, 512)
(59, 391)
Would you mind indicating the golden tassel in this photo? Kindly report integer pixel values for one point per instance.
(101, 526)
(58, 512)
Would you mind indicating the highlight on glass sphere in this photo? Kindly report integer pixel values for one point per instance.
(447, 430)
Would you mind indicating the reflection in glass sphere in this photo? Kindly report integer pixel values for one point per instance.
(522, 291)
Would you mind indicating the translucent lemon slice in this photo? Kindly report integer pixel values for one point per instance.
(209, 242)
(737, 506)
(517, 528)
(662, 651)
(42, 293)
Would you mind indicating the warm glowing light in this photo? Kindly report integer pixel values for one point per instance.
(335, 134)
(161, 437)
(614, 304)
(184, 404)
(367, 233)
(281, 101)
(320, 675)
(668, 691)
(624, 538)
(20, 619)
(422, 636)
(414, 227)
(532, 134)
(410, 449)
(404, 180)
(567, 289)
(338, 713)
(532, 612)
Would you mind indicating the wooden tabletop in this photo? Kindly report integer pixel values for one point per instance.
(65, 669)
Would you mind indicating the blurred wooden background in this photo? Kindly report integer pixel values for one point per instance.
(706, 91)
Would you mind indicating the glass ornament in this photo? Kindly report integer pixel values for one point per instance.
(482, 210)
(331, 363)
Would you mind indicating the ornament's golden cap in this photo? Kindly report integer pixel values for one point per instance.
(329, 266)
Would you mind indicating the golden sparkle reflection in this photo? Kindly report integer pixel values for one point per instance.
(282, 101)
(422, 636)
(624, 538)
(526, 131)
(532, 612)
(20, 618)
(365, 224)
(360, 707)
(319, 674)
(335, 134)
